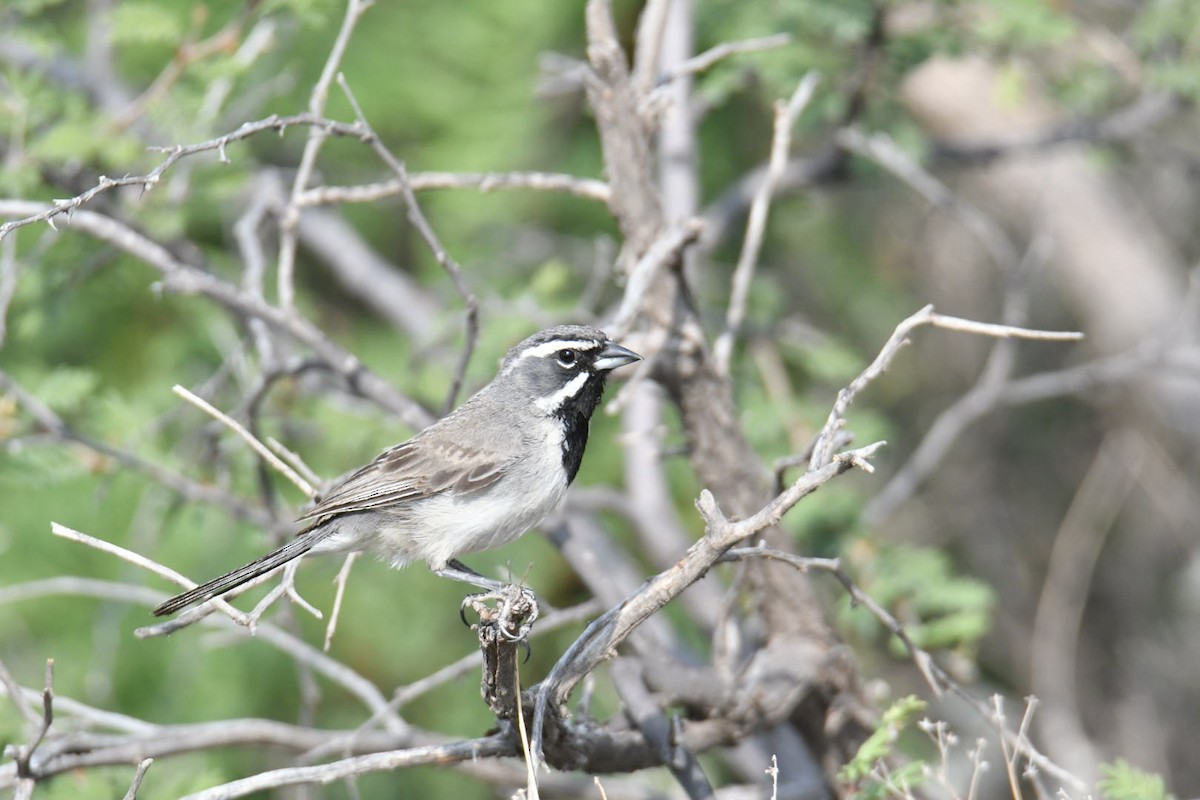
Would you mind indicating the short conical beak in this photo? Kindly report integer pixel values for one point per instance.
(613, 356)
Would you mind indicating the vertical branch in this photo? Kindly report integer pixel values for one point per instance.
(624, 134)
(316, 137)
(786, 115)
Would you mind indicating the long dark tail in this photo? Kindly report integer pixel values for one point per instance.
(219, 586)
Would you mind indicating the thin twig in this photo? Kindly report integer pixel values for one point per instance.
(138, 776)
(263, 451)
(880, 148)
(443, 257)
(139, 560)
(48, 212)
(1001, 331)
(340, 581)
(308, 159)
(485, 182)
(786, 115)
(823, 448)
(294, 460)
(24, 754)
(699, 63)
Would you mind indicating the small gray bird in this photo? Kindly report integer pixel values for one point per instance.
(478, 478)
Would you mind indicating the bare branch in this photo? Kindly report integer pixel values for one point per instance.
(786, 115)
(823, 449)
(257, 446)
(308, 159)
(182, 277)
(490, 746)
(587, 188)
(1001, 331)
(417, 218)
(145, 563)
(23, 756)
(702, 62)
(138, 776)
(342, 577)
(47, 213)
(880, 148)
(601, 638)
(300, 651)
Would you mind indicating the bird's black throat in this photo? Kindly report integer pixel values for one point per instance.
(575, 414)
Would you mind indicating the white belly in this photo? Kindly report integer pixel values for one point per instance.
(441, 527)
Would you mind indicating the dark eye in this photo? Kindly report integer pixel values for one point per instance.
(567, 357)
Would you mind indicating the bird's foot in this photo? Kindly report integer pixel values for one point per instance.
(510, 610)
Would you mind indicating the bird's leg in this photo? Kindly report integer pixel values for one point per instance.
(516, 609)
(458, 571)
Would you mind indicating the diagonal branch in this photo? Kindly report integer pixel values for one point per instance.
(599, 642)
(419, 221)
(179, 276)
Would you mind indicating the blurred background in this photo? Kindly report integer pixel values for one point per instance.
(1034, 515)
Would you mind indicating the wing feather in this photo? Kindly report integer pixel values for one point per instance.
(410, 471)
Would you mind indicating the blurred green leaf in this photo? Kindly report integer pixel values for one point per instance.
(938, 608)
(64, 388)
(1123, 781)
(139, 22)
(881, 745)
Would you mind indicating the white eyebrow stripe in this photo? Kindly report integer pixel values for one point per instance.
(554, 346)
(551, 402)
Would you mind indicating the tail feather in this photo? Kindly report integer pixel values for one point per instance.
(219, 586)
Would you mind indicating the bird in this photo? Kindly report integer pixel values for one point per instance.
(476, 479)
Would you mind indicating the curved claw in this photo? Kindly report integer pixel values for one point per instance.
(504, 612)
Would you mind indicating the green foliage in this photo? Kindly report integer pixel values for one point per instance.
(1167, 34)
(1122, 781)
(862, 775)
(143, 22)
(1023, 24)
(938, 608)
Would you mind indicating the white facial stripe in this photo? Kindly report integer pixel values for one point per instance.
(552, 347)
(570, 389)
